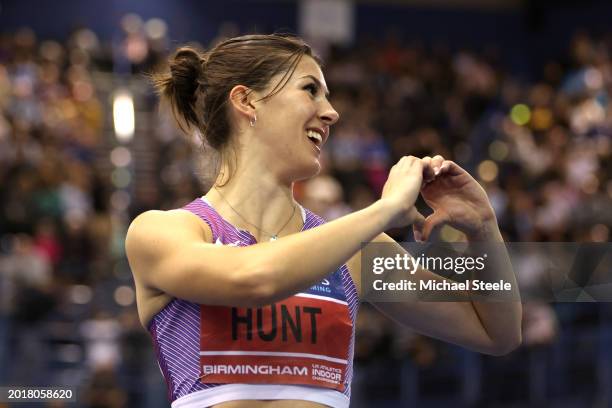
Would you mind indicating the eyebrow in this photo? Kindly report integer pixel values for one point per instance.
(320, 85)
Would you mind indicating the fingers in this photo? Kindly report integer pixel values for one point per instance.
(418, 235)
(404, 182)
(418, 218)
(432, 222)
(424, 227)
(432, 167)
(417, 231)
(445, 166)
(408, 160)
(428, 171)
(436, 163)
(449, 167)
(417, 224)
(411, 164)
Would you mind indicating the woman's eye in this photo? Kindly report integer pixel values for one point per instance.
(312, 88)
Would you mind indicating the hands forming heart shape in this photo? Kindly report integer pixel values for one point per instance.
(456, 199)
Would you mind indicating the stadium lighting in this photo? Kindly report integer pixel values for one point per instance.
(123, 115)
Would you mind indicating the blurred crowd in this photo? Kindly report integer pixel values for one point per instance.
(540, 147)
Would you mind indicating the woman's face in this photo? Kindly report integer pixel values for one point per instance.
(293, 125)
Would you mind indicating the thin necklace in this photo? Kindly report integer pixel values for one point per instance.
(273, 237)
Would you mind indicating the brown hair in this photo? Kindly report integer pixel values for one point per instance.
(198, 83)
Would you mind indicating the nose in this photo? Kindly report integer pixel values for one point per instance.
(328, 114)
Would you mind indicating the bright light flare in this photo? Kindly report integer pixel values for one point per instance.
(123, 115)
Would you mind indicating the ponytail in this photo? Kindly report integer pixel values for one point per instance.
(179, 87)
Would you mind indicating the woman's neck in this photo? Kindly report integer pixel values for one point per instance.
(259, 204)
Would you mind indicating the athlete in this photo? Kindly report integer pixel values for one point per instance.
(250, 298)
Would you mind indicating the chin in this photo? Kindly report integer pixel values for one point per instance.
(308, 171)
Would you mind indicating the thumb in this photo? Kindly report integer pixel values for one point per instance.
(417, 225)
(434, 220)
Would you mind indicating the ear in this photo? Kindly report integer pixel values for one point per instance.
(240, 98)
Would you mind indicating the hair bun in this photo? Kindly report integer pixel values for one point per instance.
(186, 69)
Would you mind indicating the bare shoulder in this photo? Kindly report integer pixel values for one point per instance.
(154, 232)
(153, 219)
(151, 238)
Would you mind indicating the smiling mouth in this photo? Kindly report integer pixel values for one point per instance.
(315, 138)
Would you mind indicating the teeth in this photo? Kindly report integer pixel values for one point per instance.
(314, 135)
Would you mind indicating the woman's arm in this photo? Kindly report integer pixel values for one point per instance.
(492, 327)
(171, 252)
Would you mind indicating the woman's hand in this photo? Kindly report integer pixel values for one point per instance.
(401, 191)
(455, 198)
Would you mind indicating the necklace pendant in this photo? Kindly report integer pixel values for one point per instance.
(273, 237)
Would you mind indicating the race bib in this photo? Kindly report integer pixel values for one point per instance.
(302, 340)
